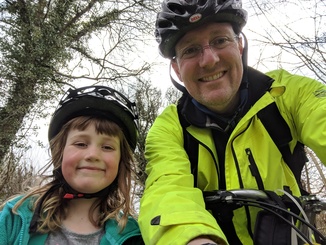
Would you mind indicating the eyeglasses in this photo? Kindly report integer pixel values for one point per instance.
(194, 51)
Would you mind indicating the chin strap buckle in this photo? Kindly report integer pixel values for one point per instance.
(72, 196)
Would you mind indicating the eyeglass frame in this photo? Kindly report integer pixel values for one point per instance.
(200, 48)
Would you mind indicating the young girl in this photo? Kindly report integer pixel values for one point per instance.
(87, 199)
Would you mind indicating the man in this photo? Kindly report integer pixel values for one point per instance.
(220, 104)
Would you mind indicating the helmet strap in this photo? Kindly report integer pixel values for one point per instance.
(72, 194)
(245, 62)
(175, 83)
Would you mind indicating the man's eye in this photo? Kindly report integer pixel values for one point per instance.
(220, 42)
(191, 51)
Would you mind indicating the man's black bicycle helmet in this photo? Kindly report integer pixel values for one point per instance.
(98, 101)
(180, 16)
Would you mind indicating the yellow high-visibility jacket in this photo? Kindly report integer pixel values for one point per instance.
(172, 211)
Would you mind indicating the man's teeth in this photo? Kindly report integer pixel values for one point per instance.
(210, 78)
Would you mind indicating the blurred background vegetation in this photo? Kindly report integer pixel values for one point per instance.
(47, 46)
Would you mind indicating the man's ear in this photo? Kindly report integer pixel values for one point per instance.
(175, 67)
(240, 43)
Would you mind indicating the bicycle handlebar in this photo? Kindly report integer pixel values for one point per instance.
(252, 194)
(232, 199)
(222, 195)
(313, 203)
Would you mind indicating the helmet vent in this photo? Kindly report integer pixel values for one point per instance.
(201, 2)
(176, 8)
(180, 16)
(164, 24)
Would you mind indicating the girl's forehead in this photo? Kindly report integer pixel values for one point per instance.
(101, 126)
(92, 130)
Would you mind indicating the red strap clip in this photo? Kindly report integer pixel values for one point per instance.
(72, 196)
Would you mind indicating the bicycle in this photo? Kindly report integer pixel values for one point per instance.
(285, 218)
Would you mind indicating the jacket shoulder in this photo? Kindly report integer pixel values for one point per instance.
(167, 120)
(283, 77)
(14, 227)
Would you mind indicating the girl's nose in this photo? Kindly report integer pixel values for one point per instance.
(92, 153)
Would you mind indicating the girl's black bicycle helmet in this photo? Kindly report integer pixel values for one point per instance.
(180, 16)
(98, 101)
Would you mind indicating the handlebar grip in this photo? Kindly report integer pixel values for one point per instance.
(227, 196)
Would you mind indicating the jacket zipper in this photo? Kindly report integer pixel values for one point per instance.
(22, 230)
(195, 173)
(254, 169)
(213, 157)
(240, 179)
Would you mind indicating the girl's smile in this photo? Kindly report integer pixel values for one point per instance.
(90, 160)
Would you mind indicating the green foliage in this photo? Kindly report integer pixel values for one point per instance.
(40, 39)
(149, 102)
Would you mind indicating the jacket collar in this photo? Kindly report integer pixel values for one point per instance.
(258, 84)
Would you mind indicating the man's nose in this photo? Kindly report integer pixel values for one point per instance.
(208, 46)
(209, 56)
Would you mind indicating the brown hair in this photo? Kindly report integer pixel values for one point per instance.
(117, 204)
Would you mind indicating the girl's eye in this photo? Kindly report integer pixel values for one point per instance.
(107, 147)
(80, 144)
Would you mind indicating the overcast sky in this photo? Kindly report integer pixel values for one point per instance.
(291, 15)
